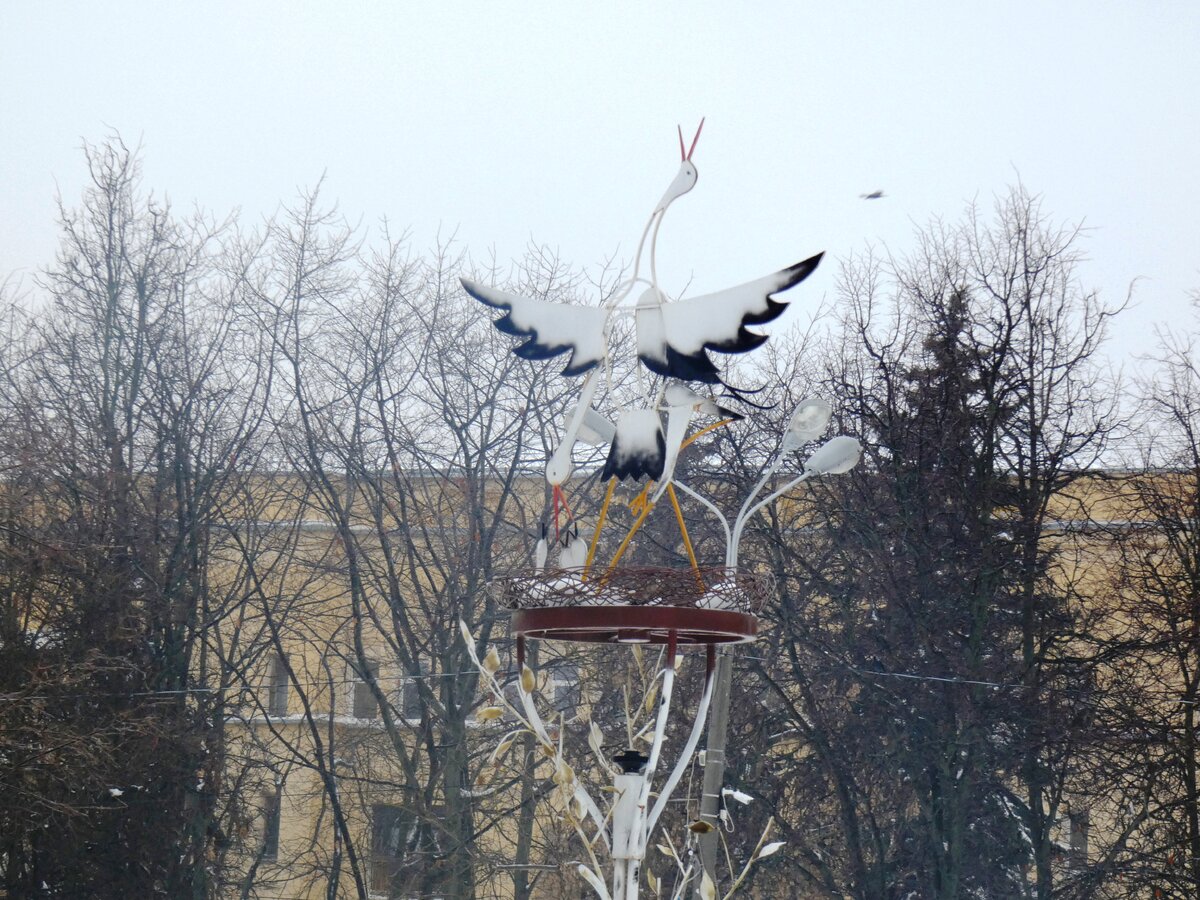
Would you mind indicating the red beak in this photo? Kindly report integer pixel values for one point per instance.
(694, 140)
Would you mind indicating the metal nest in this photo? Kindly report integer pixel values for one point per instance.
(706, 588)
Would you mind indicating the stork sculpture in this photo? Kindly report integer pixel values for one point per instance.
(675, 607)
(673, 339)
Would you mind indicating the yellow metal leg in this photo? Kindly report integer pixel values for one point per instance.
(687, 542)
(608, 495)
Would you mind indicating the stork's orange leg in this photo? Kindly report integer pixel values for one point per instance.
(608, 495)
(642, 500)
(687, 542)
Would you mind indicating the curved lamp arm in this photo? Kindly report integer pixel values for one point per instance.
(834, 457)
(745, 515)
(713, 509)
(685, 757)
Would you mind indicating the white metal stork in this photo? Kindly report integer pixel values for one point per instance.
(673, 337)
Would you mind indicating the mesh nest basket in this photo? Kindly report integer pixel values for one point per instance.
(635, 604)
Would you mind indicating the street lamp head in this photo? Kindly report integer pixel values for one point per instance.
(807, 423)
(834, 457)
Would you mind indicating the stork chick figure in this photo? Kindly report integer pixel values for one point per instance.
(673, 337)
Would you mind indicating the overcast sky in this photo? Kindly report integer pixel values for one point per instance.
(506, 122)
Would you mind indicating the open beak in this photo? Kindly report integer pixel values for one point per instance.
(684, 156)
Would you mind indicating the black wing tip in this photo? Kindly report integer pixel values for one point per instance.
(740, 395)
(683, 366)
(773, 311)
(477, 292)
(744, 341)
(574, 368)
(792, 276)
(637, 465)
(533, 351)
(505, 325)
(805, 267)
(795, 274)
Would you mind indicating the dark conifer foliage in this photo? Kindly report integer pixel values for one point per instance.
(920, 669)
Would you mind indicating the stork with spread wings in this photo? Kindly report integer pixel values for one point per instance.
(673, 339)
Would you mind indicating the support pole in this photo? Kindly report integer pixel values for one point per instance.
(714, 766)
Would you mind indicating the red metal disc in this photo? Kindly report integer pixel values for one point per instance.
(635, 624)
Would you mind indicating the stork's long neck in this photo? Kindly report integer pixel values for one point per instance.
(683, 182)
(654, 252)
(652, 231)
(649, 232)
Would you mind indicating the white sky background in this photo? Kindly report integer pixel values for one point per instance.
(506, 122)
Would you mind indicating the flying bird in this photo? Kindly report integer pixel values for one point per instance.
(874, 195)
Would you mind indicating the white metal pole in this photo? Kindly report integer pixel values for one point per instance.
(626, 822)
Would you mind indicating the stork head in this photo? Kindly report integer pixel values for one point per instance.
(685, 178)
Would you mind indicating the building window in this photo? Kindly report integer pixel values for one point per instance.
(271, 811)
(365, 706)
(388, 827)
(277, 687)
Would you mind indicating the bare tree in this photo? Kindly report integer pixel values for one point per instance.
(1146, 759)
(409, 429)
(123, 418)
(924, 669)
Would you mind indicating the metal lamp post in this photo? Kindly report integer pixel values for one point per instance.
(834, 457)
(602, 610)
(631, 827)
